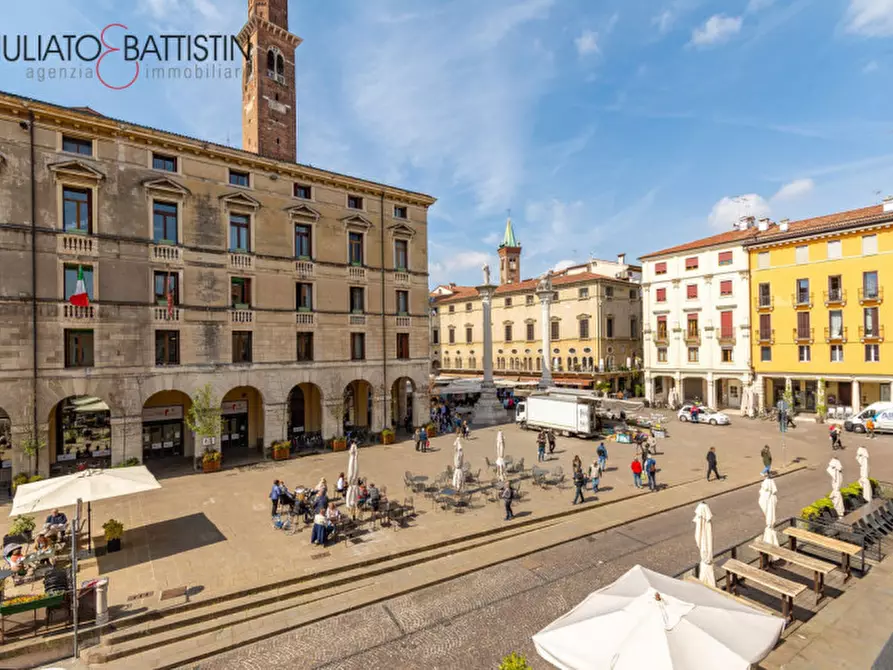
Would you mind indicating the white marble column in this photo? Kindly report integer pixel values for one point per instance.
(488, 409)
(545, 293)
(857, 396)
(649, 388)
(711, 391)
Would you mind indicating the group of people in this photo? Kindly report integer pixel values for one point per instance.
(53, 531)
(544, 437)
(596, 471)
(447, 420)
(644, 464)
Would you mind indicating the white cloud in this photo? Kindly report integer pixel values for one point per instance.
(561, 266)
(716, 30)
(870, 66)
(664, 21)
(872, 18)
(587, 43)
(452, 262)
(758, 5)
(728, 210)
(795, 189)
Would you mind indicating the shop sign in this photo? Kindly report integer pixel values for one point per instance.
(234, 407)
(101, 452)
(172, 413)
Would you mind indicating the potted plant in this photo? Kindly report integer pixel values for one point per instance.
(431, 429)
(387, 436)
(336, 407)
(113, 531)
(281, 450)
(514, 661)
(203, 418)
(211, 460)
(23, 525)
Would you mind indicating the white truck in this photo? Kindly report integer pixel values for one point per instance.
(568, 414)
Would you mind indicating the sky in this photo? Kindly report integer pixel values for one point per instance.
(603, 126)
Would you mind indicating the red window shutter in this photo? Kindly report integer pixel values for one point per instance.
(725, 324)
(692, 317)
(660, 268)
(661, 295)
(691, 263)
(661, 319)
(725, 287)
(691, 290)
(725, 257)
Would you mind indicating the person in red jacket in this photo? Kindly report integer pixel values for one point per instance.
(636, 467)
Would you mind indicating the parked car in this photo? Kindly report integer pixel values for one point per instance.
(705, 415)
(883, 418)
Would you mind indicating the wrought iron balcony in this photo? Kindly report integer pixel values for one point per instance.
(765, 336)
(870, 296)
(837, 335)
(801, 299)
(875, 334)
(804, 335)
(727, 336)
(693, 336)
(766, 302)
(835, 297)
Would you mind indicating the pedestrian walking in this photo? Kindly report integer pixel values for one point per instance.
(602, 452)
(869, 427)
(646, 453)
(577, 463)
(636, 467)
(551, 437)
(595, 475)
(766, 454)
(417, 438)
(579, 483)
(651, 471)
(541, 446)
(423, 438)
(711, 463)
(508, 495)
(274, 496)
(834, 434)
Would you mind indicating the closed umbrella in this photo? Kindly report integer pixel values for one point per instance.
(458, 462)
(704, 539)
(768, 502)
(353, 476)
(646, 620)
(500, 456)
(835, 470)
(864, 481)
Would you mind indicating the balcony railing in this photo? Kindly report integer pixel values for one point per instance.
(804, 335)
(727, 337)
(402, 278)
(765, 336)
(304, 268)
(693, 336)
(836, 335)
(875, 334)
(357, 319)
(404, 321)
(766, 302)
(835, 297)
(801, 299)
(304, 318)
(872, 295)
(165, 253)
(356, 273)
(241, 315)
(75, 244)
(162, 314)
(75, 313)
(240, 261)
(661, 338)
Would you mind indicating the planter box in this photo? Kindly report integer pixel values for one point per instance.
(280, 454)
(210, 466)
(52, 600)
(113, 545)
(339, 445)
(387, 438)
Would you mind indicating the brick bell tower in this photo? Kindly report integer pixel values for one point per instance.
(509, 256)
(269, 115)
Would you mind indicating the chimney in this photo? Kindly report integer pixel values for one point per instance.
(783, 225)
(744, 222)
(888, 204)
(763, 224)
(621, 258)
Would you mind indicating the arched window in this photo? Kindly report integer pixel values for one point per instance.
(280, 65)
(271, 62)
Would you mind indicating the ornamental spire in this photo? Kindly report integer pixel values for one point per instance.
(508, 239)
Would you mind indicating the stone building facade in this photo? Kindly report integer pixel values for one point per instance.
(299, 295)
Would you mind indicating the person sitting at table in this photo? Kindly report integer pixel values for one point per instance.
(322, 488)
(16, 559)
(320, 532)
(55, 525)
(321, 501)
(302, 506)
(333, 516)
(374, 497)
(340, 485)
(363, 493)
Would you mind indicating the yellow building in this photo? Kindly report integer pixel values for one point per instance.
(818, 309)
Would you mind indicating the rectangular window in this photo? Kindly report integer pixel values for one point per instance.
(765, 292)
(164, 223)
(401, 254)
(633, 294)
(508, 302)
(531, 335)
(237, 178)
(403, 303)
(403, 346)
(239, 232)
(468, 306)
(167, 347)
(765, 327)
(835, 288)
(355, 248)
(357, 346)
(835, 324)
(469, 335)
(766, 354)
(660, 295)
(303, 242)
(357, 299)
(870, 321)
(763, 260)
(70, 277)
(725, 258)
(435, 336)
(555, 331)
(801, 255)
(400, 212)
(77, 145)
(837, 353)
(354, 202)
(693, 353)
(803, 326)
(692, 330)
(691, 292)
(609, 327)
(508, 332)
(583, 292)
(77, 210)
(240, 292)
(633, 327)
(661, 354)
(609, 291)
(660, 268)
(304, 352)
(725, 287)
(662, 328)
(164, 162)
(528, 300)
(869, 245)
(164, 283)
(691, 263)
(727, 355)
(304, 297)
(834, 249)
(802, 296)
(584, 329)
(242, 346)
(451, 309)
(726, 325)
(303, 191)
(869, 286)
(452, 338)
(872, 353)
(78, 348)
(804, 353)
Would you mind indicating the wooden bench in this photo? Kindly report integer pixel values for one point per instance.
(737, 572)
(819, 567)
(744, 601)
(845, 549)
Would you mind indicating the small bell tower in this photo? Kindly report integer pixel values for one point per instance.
(509, 256)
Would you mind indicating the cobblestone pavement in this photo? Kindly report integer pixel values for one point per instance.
(473, 621)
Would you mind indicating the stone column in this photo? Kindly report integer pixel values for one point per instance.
(711, 391)
(381, 411)
(857, 396)
(545, 294)
(649, 388)
(331, 426)
(275, 422)
(760, 386)
(488, 409)
(127, 438)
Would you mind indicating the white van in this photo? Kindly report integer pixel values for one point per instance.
(883, 418)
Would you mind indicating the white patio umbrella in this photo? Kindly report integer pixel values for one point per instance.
(835, 470)
(500, 456)
(353, 475)
(646, 620)
(458, 462)
(864, 482)
(768, 502)
(704, 539)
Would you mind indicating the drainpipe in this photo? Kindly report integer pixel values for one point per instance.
(33, 285)
(384, 339)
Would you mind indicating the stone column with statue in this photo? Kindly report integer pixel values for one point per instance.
(545, 293)
(488, 409)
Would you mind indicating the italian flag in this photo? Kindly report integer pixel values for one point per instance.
(79, 297)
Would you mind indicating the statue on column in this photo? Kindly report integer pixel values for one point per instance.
(486, 270)
(545, 283)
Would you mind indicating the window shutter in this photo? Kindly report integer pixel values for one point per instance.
(661, 295)
(725, 287)
(725, 323)
(725, 257)
(691, 263)
(660, 268)
(691, 291)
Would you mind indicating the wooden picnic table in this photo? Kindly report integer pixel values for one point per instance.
(731, 596)
(819, 567)
(737, 572)
(845, 549)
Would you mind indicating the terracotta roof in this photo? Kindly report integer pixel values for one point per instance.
(86, 110)
(461, 293)
(712, 241)
(822, 224)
